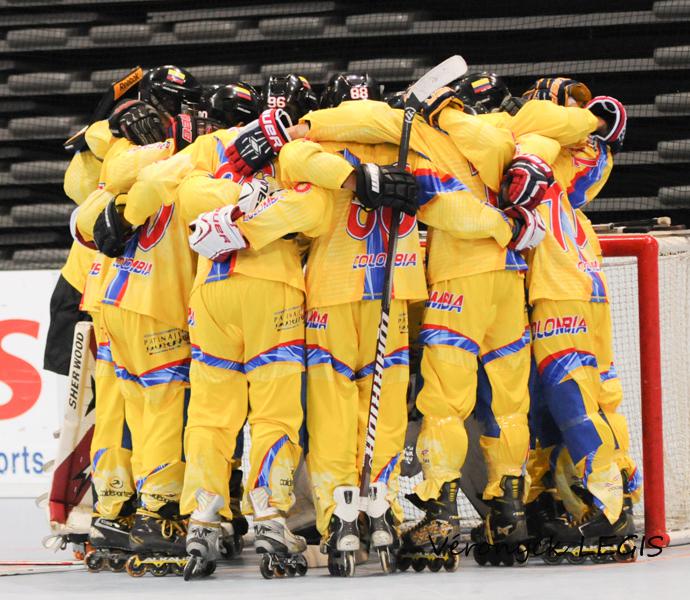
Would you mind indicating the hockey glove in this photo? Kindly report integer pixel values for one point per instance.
(614, 115)
(259, 142)
(253, 193)
(528, 229)
(525, 182)
(431, 107)
(138, 122)
(387, 185)
(184, 131)
(215, 236)
(110, 231)
(559, 90)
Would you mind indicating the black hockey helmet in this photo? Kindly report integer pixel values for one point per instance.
(395, 99)
(168, 87)
(232, 104)
(292, 93)
(484, 92)
(349, 86)
(559, 90)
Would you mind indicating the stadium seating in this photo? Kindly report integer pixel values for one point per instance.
(58, 56)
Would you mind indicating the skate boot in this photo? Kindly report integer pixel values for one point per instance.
(593, 537)
(109, 539)
(383, 535)
(282, 550)
(431, 542)
(504, 538)
(203, 536)
(543, 509)
(157, 541)
(342, 540)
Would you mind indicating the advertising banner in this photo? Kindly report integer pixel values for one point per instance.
(30, 398)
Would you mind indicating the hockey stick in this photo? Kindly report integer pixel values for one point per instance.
(656, 221)
(449, 70)
(107, 102)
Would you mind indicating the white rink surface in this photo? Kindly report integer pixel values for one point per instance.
(665, 576)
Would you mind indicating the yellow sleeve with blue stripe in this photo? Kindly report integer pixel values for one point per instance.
(583, 171)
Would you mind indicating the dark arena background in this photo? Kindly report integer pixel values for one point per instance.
(59, 57)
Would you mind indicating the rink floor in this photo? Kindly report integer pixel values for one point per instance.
(665, 576)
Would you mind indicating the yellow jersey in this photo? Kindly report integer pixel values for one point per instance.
(468, 235)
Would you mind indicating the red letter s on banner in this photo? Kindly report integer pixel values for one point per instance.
(21, 377)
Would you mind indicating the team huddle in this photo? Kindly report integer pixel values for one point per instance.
(230, 247)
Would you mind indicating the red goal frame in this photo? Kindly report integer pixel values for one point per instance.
(646, 249)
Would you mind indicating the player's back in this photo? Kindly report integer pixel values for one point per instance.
(277, 261)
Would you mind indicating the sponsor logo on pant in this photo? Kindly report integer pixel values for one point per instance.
(289, 318)
(163, 341)
(317, 320)
(570, 325)
(445, 301)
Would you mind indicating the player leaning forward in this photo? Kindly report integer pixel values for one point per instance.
(571, 324)
(472, 252)
(344, 280)
(145, 340)
(246, 323)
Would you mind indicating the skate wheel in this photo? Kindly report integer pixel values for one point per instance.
(189, 568)
(178, 569)
(418, 564)
(387, 560)
(521, 555)
(302, 567)
(619, 557)
(94, 562)
(265, 567)
(349, 564)
(404, 563)
(451, 563)
(494, 557)
(117, 563)
(135, 567)
(290, 570)
(480, 553)
(575, 559)
(160, 569)
(599, 558)
(552, 557)
(333, 568)
(505, 556)
(435, 565)
(210, 568)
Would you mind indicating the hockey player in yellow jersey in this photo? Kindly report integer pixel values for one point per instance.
(246, 323)
(144, 339)
(343, 278)
(469, 252)
(573, 347)
(111, 448)
(565, 266)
